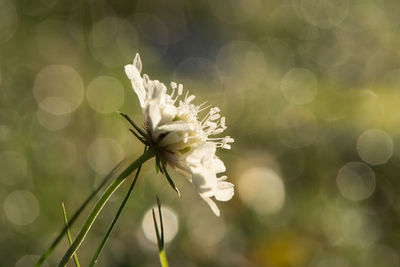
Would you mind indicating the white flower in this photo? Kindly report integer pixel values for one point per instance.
(184, 142)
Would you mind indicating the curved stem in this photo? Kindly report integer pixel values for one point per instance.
(105, 238)
(50, 249)
(101, 202)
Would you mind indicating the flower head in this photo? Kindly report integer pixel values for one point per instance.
(182, 140)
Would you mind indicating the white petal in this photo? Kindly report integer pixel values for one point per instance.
(160, 91)
(202, 183)
(137, 62)
(177, 126)
(215, 117)
(224, 191)
(169, 112)
(171, 138)
(218, 165)
(153, 110)
(199, 153)
(137, 83)
(222, 178)
(212, 205)
(226, 146)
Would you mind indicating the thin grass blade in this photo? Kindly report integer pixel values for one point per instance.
(170, 181)
(137, 128)
(160, 236)
(161, 222)
(69, 234)
(53, 245)
(138, 137)
(101, 202)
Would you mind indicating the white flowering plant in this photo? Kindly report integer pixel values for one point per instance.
(175, 136)
(182, 141)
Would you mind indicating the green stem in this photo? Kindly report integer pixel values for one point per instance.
(101, 202)
(105, 238)
(163, 258)
(69, 234)
(47, 253)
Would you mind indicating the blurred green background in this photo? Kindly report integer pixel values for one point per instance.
(311, 93)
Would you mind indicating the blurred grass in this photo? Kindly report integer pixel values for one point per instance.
(301, 82)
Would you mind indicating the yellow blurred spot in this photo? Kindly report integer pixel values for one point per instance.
(262, 190)
(284, 248)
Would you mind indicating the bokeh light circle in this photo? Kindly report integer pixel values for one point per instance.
(104, 154)
(52, 122)
(113, 41)
(10, 124)
(21, 207)
(349, 227)
(356, 181)
(324, 13)
(170, 222)
(262, 190)
(58, 89)
(105, 94)
(333, 51)
(13, 167)
(299, 86)
(375, 146)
